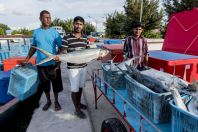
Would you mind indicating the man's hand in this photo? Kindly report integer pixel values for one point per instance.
(99, 58)
(87, 46)
(56, 59)
(125, 58)
(24, 63)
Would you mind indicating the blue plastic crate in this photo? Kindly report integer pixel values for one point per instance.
(24, 82)
(155, 106)
(24, 49)
(99, 45)
(112, 41)
(183, 121)
(4, 82)
(114, 78)
(4, 55)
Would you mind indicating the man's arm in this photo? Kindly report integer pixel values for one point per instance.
(125, 49)
(30, 54)
(31, 50)
(62, 50)
(62, 47)
(146, 59)
(87, 41)
(146, 52)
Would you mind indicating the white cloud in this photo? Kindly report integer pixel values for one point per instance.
(19, 12)
(45, 0)
(2, 9)
(25, 13)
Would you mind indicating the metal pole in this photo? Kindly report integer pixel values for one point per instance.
(141, 10)
(8, 43)
(96, 25)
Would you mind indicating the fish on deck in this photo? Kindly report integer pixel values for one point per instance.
(193, 106)
(156, 80)
(121, 66)
(161, 82)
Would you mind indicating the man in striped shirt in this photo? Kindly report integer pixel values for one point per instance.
(136, 45)
(76, 72)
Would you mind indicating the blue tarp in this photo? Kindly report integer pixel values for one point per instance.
(4, 82)
(112, 41)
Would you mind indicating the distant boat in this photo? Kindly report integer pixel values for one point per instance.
(60, 30)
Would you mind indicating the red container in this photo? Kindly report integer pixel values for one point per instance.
(181, 65)
(182, 32)
(10, 63)
(181, 37)
(91, 40)
(115, 51)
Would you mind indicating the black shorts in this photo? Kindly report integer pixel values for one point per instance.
(48, 74)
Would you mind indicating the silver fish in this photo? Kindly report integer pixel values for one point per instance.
(78, 57)
(156, 80)
(160, 82)
(121, 66)
(193, 106)
(177, 99)
(127, 62)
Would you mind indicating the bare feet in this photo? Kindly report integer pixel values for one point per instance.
(57, 106)
(46, 106)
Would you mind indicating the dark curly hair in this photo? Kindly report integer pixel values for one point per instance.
(79, 18)
(44, 12)
(136, 24)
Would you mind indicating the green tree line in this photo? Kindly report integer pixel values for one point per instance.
(22, 31)
(68, 25)
(173, 6)
(3, 29)
(119, 24)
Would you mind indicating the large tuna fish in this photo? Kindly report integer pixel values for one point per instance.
(156, 80)
(78, 57)
(177, 99)
(160, 82)
(193, 106)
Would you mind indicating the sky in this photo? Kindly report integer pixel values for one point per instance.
(25, 13)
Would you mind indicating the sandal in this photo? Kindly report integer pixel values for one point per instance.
(82, 106)
(46, 106)
(80, 114)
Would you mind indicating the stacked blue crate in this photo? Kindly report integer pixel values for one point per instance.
(155, 106)
(3, 55)
(183, 121)
(24, 50)
(113, 77)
